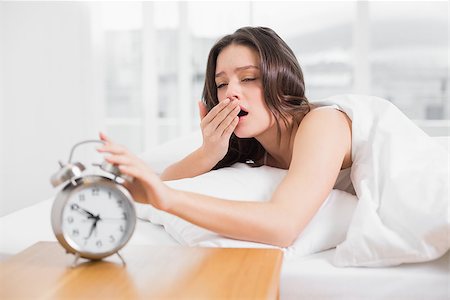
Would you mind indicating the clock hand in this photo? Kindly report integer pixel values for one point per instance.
(93, 227)
(83, 211)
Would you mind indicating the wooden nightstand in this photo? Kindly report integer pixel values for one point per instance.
(43, 272)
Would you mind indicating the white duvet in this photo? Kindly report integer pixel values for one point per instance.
(401, 178)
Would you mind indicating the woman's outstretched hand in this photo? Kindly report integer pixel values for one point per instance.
(217, 126)
(145, 187)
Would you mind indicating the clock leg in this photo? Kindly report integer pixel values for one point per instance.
(121, 258)
(77, 257)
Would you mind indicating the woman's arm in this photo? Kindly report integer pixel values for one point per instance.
(322, 141)
(196, 163)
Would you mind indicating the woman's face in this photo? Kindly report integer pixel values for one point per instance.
(238, 76)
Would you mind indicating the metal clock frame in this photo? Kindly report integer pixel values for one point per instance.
(76, 182)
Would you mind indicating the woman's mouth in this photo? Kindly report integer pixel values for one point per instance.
(242, 113)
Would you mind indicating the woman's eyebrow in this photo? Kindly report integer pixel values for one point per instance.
(239, 69)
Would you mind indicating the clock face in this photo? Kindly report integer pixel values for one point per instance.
(97, 219)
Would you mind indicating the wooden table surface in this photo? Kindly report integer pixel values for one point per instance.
(44, 271)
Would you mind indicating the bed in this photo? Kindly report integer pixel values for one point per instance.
(310, 276)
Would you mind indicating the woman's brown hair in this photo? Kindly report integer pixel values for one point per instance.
(282, 80)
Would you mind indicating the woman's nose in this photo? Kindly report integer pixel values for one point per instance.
(233, 90)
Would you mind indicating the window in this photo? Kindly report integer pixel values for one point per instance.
(156, 52)
(121, 25)
(320, 34)
(409, 56)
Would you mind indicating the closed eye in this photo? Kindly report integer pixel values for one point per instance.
(248, 79)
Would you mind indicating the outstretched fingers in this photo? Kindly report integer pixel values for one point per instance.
(119, 159)
(135, 171)
(119, 155)
(112, 148)
(103, 137)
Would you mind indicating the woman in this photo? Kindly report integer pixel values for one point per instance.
(256, 110)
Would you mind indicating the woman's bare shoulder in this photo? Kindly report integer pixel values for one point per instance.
(329, 116)
(328, 124)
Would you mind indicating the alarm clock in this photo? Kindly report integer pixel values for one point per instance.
(93, 216)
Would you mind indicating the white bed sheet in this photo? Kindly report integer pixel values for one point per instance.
(314, 277)
(311, 277)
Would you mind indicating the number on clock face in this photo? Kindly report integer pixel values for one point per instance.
(95, 219)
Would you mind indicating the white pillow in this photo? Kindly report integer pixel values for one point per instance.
(326, 230)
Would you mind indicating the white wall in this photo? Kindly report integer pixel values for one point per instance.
(47, 95)
(1, 111)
